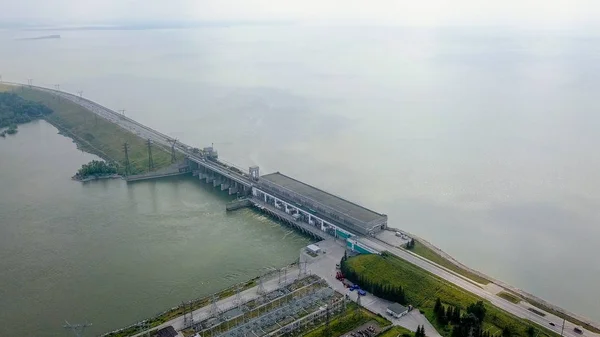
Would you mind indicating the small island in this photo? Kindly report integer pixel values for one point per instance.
(96, 169)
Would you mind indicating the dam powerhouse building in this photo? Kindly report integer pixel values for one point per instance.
(329, 213)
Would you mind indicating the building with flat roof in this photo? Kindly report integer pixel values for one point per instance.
(323, 205)
(397, 310)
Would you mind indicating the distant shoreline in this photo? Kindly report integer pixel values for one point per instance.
(45, 37)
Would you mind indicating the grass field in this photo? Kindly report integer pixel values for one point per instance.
(422, 289)
(348, 320)
(509, 297)
(396, 331)
(429, 254)
(94, 134)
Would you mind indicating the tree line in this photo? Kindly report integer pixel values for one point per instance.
(386, 291)
(420, 331)
(96, 168)
(468, 323)
(16, 110)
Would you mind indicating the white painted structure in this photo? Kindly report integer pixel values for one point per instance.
(298, 214)
(301, 214)
(313, 249)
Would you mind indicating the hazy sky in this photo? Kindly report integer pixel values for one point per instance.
(547, 13)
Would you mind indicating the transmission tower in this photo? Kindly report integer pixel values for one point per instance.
(214, 309)
(150, 161)
(30, 81)
(144, 327)
(187, 321)
(122, 111)
(173, 156)
(261, 287)
(0, 78)
(238, 297)
(127, 165)
(279, 276)
(57, 87)
(77, 328)
(80, 92)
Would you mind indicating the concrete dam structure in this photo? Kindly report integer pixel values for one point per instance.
(311, 210)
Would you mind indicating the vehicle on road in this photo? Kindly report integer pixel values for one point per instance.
(552, 323)
(578, 330)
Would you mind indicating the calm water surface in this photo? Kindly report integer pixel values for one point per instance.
(482, 141)
(113, 253)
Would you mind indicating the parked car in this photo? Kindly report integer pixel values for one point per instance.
(361, 292)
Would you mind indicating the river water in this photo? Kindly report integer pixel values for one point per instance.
(112, 253)
(483, 141)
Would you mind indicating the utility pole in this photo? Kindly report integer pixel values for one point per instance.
(77, 328)
(127, 166)
(150, 161)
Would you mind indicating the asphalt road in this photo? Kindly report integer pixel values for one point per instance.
(471, 286)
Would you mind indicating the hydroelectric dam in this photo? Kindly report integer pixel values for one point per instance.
(312, 211)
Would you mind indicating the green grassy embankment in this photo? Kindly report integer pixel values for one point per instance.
(94, 134)
(509, 297)
(422, 289)
(563, 316)
(348, 320)
(429, 254)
